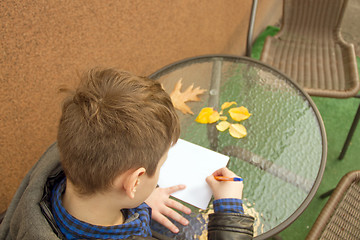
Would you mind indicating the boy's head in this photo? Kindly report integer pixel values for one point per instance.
(112, 123)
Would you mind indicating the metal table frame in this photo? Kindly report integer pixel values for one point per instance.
(316, 184)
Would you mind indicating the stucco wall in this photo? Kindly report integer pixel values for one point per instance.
(44, 44)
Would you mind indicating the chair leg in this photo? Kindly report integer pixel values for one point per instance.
(326, 194)
(350, 134)
(251, 28)
(277, 237)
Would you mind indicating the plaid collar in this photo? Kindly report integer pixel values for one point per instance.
(137, 221)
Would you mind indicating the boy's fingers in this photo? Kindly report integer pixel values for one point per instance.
(228, 172)
(168, 212)
(165, 222)
(217, 172)
(224, 172)
(175, 188)
(211, 180)
(178, 206)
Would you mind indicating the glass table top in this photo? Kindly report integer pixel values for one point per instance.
(283, 156)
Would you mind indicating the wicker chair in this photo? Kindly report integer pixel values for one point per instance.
(340, 217)
(310, 49)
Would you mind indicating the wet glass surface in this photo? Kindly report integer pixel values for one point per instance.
(280, 157)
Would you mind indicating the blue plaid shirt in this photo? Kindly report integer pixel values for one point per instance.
(137, 219)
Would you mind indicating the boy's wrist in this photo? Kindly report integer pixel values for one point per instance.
(228, 205)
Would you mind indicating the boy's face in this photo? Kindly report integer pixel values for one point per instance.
(148, 184)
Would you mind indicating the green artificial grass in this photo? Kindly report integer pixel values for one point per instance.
(337, 115)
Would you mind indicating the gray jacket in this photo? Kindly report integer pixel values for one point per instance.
(29, 215)
(24, 218)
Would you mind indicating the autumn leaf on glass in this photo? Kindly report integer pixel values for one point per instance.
(179, 98)
(239, 113)
(208, 115)
(227, 104)
(237, 130)
(223, 125)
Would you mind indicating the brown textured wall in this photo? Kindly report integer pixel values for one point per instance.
(44, 44)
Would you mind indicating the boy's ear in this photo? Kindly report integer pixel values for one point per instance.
(132, 180)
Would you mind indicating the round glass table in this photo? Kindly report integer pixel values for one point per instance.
(283, 156)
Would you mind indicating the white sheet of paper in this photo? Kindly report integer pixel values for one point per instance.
(190, 164)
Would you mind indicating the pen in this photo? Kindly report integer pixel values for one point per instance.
(222, 178)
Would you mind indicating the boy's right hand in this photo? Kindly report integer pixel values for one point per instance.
(225, 189)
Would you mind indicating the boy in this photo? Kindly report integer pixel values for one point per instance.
(113, 137)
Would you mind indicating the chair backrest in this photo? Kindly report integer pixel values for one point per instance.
(312, 19)
(340, 217)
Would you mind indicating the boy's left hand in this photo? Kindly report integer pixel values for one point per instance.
(162, 205)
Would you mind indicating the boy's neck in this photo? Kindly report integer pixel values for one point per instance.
(101, 209)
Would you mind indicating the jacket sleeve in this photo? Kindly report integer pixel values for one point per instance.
(230, 226)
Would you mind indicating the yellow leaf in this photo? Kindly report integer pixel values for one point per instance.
(237, 130)
(239, 113)
(204, 115)
(222, 126)
(227, 104)
(214, 117)
(223, 118)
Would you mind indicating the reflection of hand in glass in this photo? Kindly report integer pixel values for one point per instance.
(162, 205)
(225, 189)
